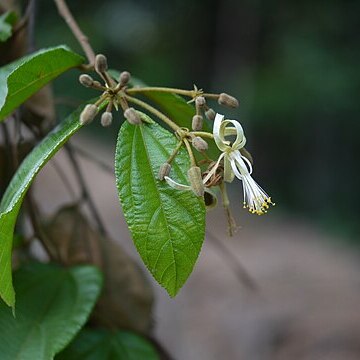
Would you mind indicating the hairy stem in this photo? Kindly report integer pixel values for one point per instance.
(190, 152)
(203, 134)
(190, 93)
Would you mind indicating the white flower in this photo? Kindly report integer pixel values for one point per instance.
(235, 164)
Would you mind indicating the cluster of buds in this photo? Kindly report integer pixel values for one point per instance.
(202, 108)
(234, 160)
(113, 95)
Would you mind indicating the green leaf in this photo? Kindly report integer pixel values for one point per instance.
(24, 77)
(167, 225)
(14, 194)
(53, 305)
(7, 21)
(105, 345)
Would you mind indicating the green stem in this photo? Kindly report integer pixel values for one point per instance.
(210, 96)
(154, 111)
(174, 153)
(190, 93)
(189, 150)
(203, 134)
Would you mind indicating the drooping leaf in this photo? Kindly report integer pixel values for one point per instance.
(16, 190)
(106, 345)
(53, 305)
(24, 77)
(7, 21)
(167, 225)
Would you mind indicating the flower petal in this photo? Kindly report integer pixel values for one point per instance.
(213, 170)
(177, 185)
(217, 131)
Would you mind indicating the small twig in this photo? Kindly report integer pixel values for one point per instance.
(85, 192)
(233, 263)
(30, 13)
(75, 29)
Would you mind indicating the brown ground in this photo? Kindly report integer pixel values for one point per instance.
(307, 306)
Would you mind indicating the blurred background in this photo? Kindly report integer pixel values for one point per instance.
(294, 66)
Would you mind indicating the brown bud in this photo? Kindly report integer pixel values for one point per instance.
(101, 63)
(124, 77)
(88, 114)
(164, 170)
(106, 119)
(96, 84)
(195, 179)
(199, 143)
(200, 101)
(86, 80)
(227, 100)
(210, 114)
(132, 116)
(197, 122)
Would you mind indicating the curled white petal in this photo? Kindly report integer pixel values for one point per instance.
(239, 132)
(213, 170)
(219, 139)
(176, 185)
(221, 130)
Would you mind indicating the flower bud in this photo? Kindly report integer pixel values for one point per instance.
(227, 100)
(106, 119)
(197, 122)
(124, 77)
(195, 179)
(200, 101)
(101, 63)
(164, 170)
(88, 114)
(86, 80)
(97, 84)
(210, 114)
(199, 143)
(132, 116)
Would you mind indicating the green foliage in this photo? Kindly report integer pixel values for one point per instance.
(167, 225)
(24, 77)
(180, 111)
(13, 197)
(53, 304)
(106, 345)
(7, 21)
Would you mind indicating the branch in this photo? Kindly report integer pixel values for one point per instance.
(75, 29)
(85, 192)
(233, 263)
